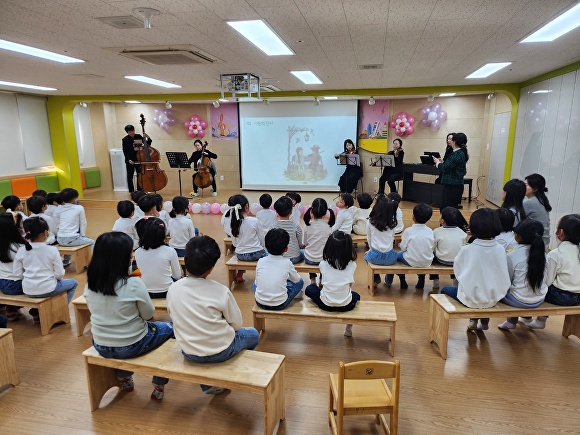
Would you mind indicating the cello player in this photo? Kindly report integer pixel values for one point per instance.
(131, 144)
(196, 158)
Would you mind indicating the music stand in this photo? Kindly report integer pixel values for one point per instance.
(178, 160)
(384, 160)
(347, 160)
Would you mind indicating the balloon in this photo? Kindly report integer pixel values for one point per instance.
(203, 124)
(401, 114)
(436, 107)
(255, 208)
(425, 110)
(196, 208)
(205, 207)
(393, 123)
(215, 208)
(194, 118)
(435, 124)
(403, 129)
(442, 115)
(425, 122)
(201, 133)
(305, 208)
(224, 207)
(398, 120)
(167, 206)
(191, 134)
(409, 130)
(186, 125)
(432, 116)
(410, 120)
(334, 209)
(399, 133)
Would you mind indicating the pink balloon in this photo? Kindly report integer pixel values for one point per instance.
(186, 125)
(401, 115)
(203, 124)
(410, 120)
(194, 118)
(399, 133)
(215, 208)
(393, 123)
(409, 130)
(305, 209)
(191, 134)
(200, 133)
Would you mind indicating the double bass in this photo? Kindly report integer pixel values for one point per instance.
(151, 178)
(203, 178)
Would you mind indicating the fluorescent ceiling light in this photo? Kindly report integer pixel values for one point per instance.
(330, 98)
(487, 70)
(262, 36)
(132, 102)
(448, 94)
(542, 91)
(151, 81)
(559, 26)
(23, 85)
(224, 100)
(37, 52)
(307, 77)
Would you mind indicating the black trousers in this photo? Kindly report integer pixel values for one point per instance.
(131, 169)
(389, 176)
(452, 194)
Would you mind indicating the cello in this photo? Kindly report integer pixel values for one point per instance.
(151, 178)
(203, 178)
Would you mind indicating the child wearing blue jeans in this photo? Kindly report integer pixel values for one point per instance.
(206, 317)
(71, 222)
(277, 282)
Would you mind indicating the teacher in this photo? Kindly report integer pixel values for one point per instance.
(453, 169)
(353, 172)
(392, 174)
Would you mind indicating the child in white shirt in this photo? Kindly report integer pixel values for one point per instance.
(481, 267)
(344, 219)
(245, 231)
(162, 214)
(180, 225)
(506, 238)
(296, 207)
(381, 234)
(53, 200)
(125, 223)
(416, 245)
(361, 214)
(527, 268)
(394, 196)
(206, 318)
(449, 239)
(277, 282)
(283, 207)
(136, 197)
(316, 233)
(158, 262)
(37, 206)
(562, 275)
(13, 203)
(337, 269)
(266, 216)
(39, 266)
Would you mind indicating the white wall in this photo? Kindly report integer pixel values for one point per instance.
(548, 141)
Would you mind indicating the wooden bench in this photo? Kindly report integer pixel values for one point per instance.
(83, 315)
(366, 313)
(403, 269)
(443, 308)
(228, 245)
(233, 265)
(8, 372)
(362, 238)
(80, 255)
(249, 371)
(51, 310)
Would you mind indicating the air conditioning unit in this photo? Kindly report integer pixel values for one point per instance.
(118, 170)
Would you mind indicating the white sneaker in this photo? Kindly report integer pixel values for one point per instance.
(435, 283)
(539, 323)
(194, 194)
(525, 320)
(214, 194)
(348, 330)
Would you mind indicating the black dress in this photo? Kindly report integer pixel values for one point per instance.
(390, 174)
(349, 179)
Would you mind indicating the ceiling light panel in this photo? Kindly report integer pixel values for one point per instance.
(37, 52)
(307, 77)
(487, 70)
(151, 81)
(262, 36)
(24, 85)
(559, 26)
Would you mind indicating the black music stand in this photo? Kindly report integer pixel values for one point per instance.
(346, 160)
(178, 160)
(384, 161)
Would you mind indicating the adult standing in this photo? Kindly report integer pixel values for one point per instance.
(448, 151)
(453, 169)
(131, 143)
(196, 158)
(353, 172)
(536, 204)
(392, 174)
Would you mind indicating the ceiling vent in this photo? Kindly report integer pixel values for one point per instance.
(269, 88)
(370, 67)
(126, 22)
(168, 57)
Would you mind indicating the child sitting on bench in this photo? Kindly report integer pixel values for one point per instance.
(206, 317)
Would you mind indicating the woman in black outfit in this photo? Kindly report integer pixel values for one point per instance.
(392, 174)
(353, 172)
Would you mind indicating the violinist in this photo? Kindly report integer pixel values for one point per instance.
(196, 159)
(390, 175)
(131, 144)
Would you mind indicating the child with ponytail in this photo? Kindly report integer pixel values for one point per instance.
(536, 203)
(316, 233)
(39, 265)
(381, 234)
(10, 241)
(527, 269)
(180, 225)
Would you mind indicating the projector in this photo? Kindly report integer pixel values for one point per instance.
(246, 84)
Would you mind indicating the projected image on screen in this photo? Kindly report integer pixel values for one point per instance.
(291, 146)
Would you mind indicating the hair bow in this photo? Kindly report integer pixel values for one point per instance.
(235, 208)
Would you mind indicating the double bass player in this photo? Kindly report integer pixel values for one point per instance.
(131, 144)
(196, 158)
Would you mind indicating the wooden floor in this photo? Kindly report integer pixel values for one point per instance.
(519, 382)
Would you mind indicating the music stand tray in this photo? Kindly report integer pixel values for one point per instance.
(179, 160)
(384, 161)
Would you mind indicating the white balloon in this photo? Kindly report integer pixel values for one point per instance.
(167, 206)
(255, 208)
(432, 116)
(398, 120)
(196, 208)
(407, 125)
(224, 207)
(403, 129)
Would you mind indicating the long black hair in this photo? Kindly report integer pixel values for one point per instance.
(319, 209)
(151, 232)
(515, 192)
(384, 214)
(9, 235)
(530, 232)
(339, 250)
(240, 202)
(538, 184)
(33, 227)
(460, 140)
(110, 262)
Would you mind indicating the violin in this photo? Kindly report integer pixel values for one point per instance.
(151, 178)
(203, 178)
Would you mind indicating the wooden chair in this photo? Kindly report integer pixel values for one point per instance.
(360, 388)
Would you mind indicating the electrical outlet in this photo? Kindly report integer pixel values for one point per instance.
(375, 180)
(221, 178)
